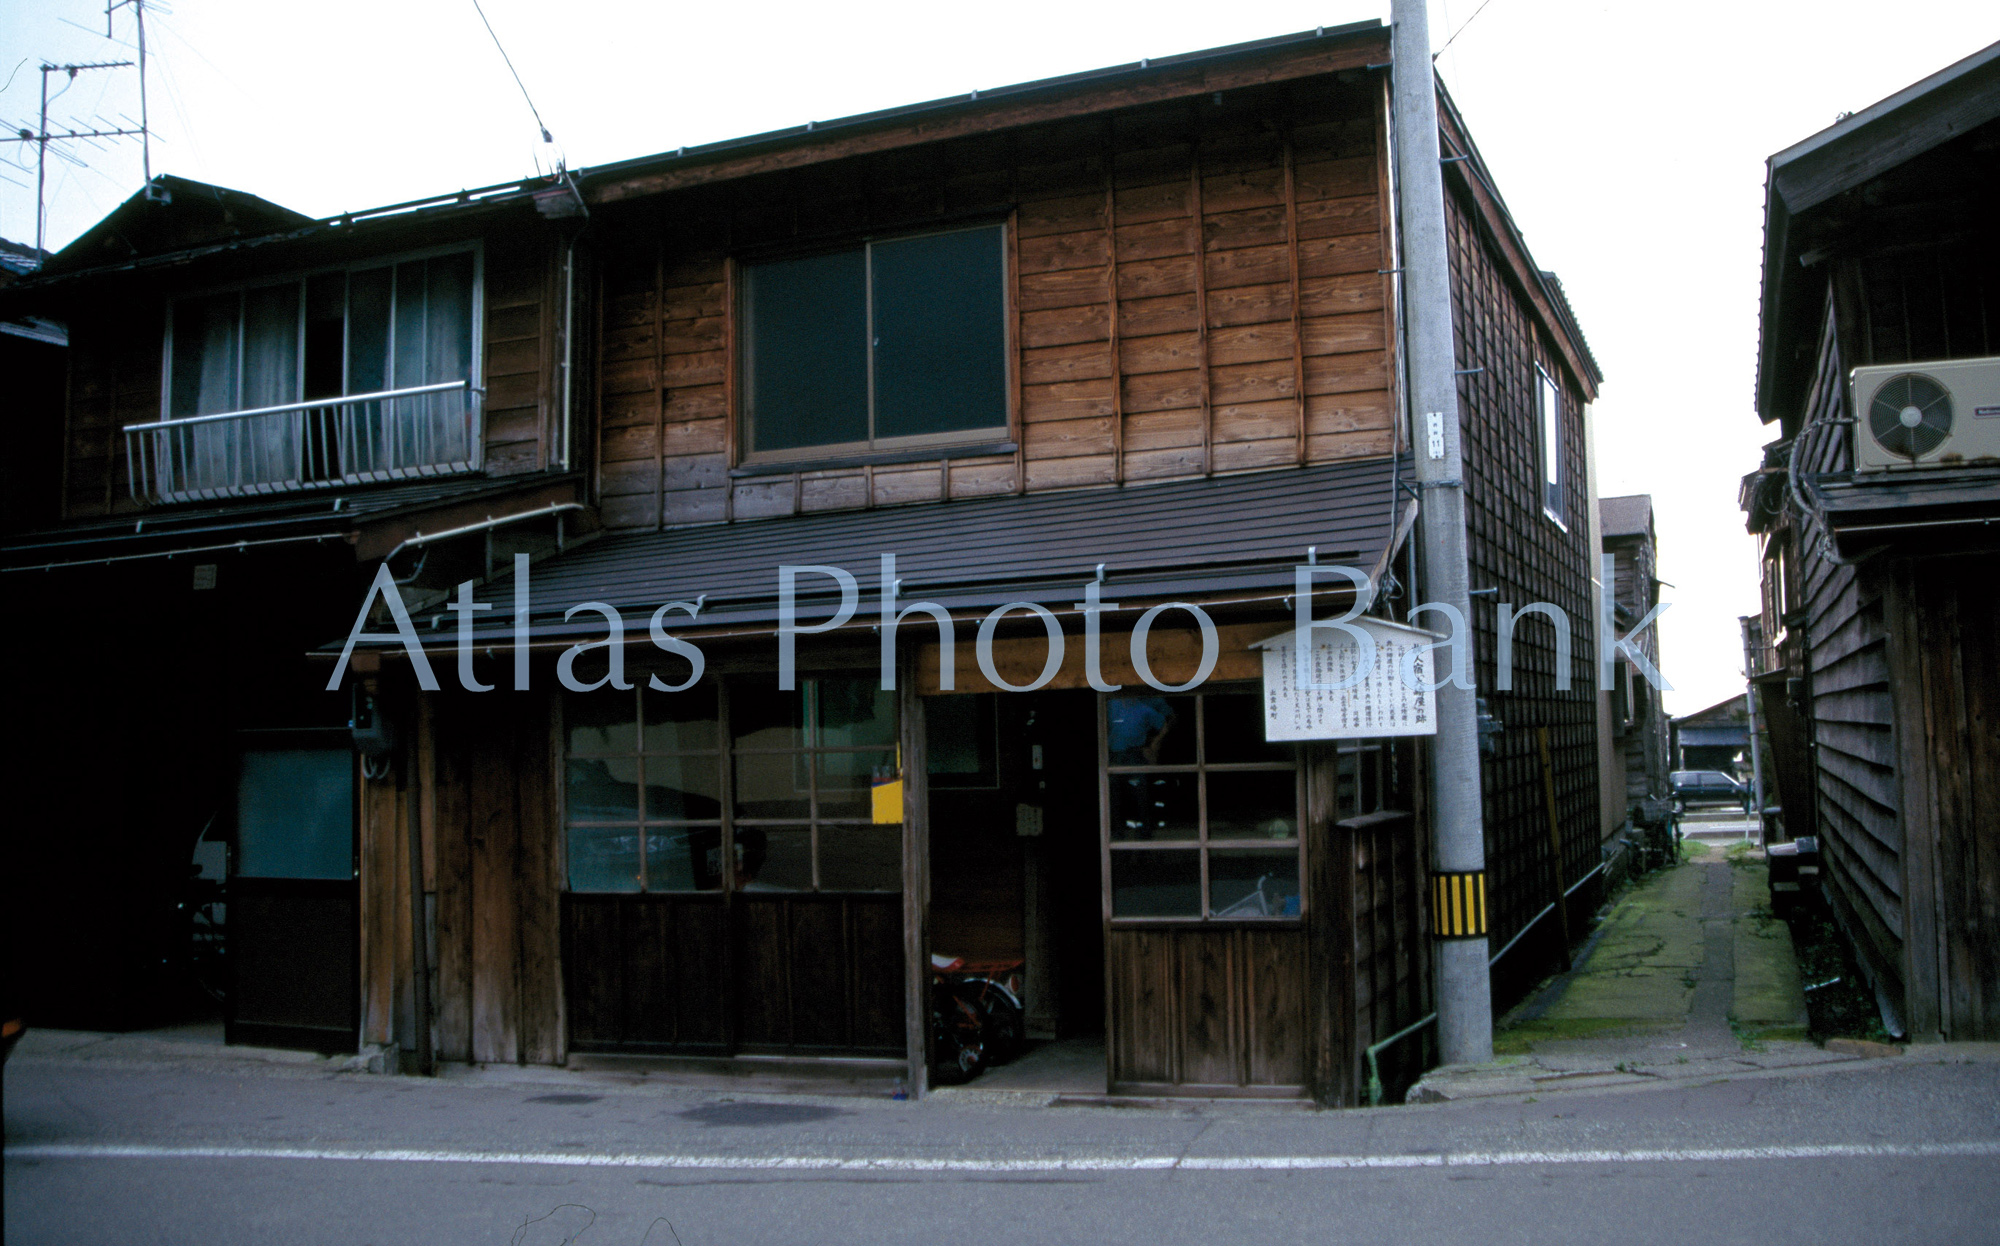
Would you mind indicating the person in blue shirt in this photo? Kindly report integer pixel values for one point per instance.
(1137, 725)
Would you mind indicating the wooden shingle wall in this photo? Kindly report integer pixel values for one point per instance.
(1514, 547)
(1196, 289)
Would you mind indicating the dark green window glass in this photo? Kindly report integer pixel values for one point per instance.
(807, 356)
(940, 339)
(900, 338)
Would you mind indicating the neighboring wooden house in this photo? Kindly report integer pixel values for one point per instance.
(218, 498)
(1715, 738)
(1638, 716)
(1876, 506)
(1134, 329)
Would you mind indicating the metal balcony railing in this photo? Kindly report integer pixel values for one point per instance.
(391, 434)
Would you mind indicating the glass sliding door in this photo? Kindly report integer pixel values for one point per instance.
(293, 902)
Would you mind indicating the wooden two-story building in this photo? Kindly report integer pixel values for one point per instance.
(1879, 361)
(1099, 362)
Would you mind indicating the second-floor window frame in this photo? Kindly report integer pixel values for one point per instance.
(302, 278)
(1550, 431)
(875, 446)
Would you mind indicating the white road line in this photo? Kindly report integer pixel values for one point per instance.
(1083, 1163)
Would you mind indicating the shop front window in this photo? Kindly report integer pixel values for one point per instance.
(1201, 813)
(642, 788)
(805, 765)
(645, 777)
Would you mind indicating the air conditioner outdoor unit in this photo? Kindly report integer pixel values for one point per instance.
(1925, 415)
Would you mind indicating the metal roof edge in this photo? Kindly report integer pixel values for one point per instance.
(946, 104)
(1565, 315)
(1848, 126)
(1778, 212)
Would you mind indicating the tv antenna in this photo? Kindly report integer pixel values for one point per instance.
(42, 136)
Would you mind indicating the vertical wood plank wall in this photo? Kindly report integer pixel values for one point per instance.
(1198, 291)
(1517, 549)
(499, 979)
(1947, 662)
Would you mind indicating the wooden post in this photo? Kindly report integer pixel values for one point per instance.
(1555, 843)
(916, 880)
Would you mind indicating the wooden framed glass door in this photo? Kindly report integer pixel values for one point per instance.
(1206, 951)
(728, 891)
(293, 899)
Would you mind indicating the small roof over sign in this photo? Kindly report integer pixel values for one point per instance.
(1324, 627)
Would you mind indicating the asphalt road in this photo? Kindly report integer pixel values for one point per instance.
(103, 1153)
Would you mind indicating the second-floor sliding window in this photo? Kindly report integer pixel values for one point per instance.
(1548, 410)
(347, 332)
(897, 343)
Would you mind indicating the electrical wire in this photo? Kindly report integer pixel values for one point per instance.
(1461, 30)
(539, 123)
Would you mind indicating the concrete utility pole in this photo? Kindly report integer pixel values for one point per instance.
(1458, 837)
(1750, 667)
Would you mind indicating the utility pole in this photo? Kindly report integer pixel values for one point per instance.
(1458, 837)
(1750, 646)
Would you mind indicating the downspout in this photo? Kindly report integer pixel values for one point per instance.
(1458, 842)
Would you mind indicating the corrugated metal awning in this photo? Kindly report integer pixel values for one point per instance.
(302, 516)
(1195, 539)
(1712, 737)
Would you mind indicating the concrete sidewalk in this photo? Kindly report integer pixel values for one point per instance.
(1689, 977)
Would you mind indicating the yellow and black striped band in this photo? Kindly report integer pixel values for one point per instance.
(1458, 905)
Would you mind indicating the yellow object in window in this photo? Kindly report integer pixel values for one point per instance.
(886, 795)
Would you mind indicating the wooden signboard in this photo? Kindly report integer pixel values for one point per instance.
(1380, 702)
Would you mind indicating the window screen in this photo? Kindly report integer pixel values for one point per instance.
(877, 345)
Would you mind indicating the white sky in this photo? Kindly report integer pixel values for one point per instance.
(1628, 140)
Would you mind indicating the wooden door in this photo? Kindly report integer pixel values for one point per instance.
(294, 905)
(1206, 950)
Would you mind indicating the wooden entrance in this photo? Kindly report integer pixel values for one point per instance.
(294, 924)
(728, 889)
(1204, 905)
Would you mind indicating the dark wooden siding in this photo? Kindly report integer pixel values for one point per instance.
(1945, 657)
(523, 295)
(1514, 547)
(1207, 1010)
(708, 974)
(1840, 634)
(1197, 290)
(114, 380)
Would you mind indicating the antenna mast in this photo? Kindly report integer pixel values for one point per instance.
(42, 137)
(145, 130)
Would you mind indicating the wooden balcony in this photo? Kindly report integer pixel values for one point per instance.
(392, 434)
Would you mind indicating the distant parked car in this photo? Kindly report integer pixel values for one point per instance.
(1708, 787)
